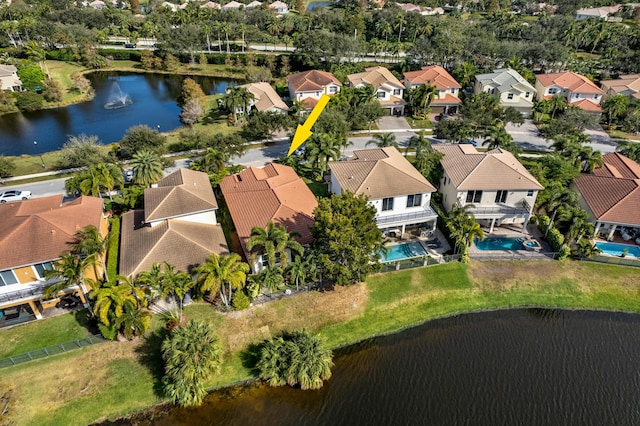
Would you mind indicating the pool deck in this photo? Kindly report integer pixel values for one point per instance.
(512, 231)
(436, 246)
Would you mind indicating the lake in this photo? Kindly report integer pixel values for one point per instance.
(154, 104)
(515, 367)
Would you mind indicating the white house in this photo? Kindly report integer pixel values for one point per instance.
(597, 12)
(178, 224)
(400, 194)
(510, 87)
(577, 89)
(627, 85)
(389, 90)
(265, 98)
(9, 79)
(446, 98)
(308, 86)
(253, 4)
(279, 7)
(232, 5)
(494, 185)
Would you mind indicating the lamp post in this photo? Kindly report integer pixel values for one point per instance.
(41, 159)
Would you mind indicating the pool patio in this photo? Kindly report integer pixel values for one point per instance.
(513, 231)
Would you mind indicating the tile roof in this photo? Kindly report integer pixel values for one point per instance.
(448, 99)
(308, 103)
(375, 76)
(313, 80)
(265, 96)
(275, 193)
(612, 192)
(569, 80)
(41, 229)
(434, 75)
(630, 82)
(7, 70)
(587, 105)
(181, 193)
(183, 244)
(469, 169)
(379, 173)
(505, 79)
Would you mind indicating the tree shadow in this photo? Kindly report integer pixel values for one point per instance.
(251, 356)
(86, 320)
(150, 355)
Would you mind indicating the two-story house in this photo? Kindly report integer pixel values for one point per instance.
(446, 98)
(280, 8)
(178, 225)
(400, 194)
(273, 193)
(494, 186)
(9, 79)
(389, 90)
(510, 87)
(265, 99)
(34, 234)
(627, 85)
(577, 89)
(308, 86)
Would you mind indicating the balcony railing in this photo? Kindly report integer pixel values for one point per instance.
(499, 209)
(425, 214)
(26, 293)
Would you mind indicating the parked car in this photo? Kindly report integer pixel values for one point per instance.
(14, 196)
(469, 142)
(129, 45)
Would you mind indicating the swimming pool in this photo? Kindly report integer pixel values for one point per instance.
(500, 244)
(403, 251)
(613, 249)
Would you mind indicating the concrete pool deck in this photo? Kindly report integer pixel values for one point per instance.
(512, 231)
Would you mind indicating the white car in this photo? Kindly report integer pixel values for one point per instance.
(14, 196)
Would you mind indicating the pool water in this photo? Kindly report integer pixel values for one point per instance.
(403, 251)
(613, 249)
(500, 244)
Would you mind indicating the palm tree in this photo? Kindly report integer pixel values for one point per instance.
(321, 148)
(557, 103)
(400, 22)
(236, 96)
(464, 229)
(147, 167)
(629, 149)
(539, 109)
(219, 272)
(422, 97)
(70, 269)
(615, 106)
(110, 177)
(175, 282)
(589, 159)
(382, 140)
(557, 197)
(297, 271)
(586, 249)
(497, 136)
(90, 244)
(271, 278)
(191, 354)
(133, 321)
(211, 160)
(273, 241)
(577, 224)
(111, 298)
(418, 142)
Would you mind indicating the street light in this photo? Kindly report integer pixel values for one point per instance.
(41, 159)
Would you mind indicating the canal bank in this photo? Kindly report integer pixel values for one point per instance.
(125, 377)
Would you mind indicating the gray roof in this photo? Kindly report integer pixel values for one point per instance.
(504, 80)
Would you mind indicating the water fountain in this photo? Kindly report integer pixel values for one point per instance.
(117, 98)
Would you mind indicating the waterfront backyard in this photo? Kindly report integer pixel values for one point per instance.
(115, 378)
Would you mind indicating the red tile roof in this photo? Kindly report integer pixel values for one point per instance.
(587, 105)
(41, 229)
(612, 192)
(569, 80)
(309, 81)
(434, 75)
(275, 193)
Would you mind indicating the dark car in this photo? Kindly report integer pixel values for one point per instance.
(469, 142)
(130, 45)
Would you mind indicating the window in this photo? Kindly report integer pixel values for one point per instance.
(387, 204)
(264, 259)
(414, 200)
(510, 96)
(381, 95)
(333, 89)
(41, 267)
(576, 95)
(553, 91)
(453, 90)
(318, 94)
(526, 95)
(7, 278)
(474, 196)
(530, 193)
(501, 196)
(396, 92)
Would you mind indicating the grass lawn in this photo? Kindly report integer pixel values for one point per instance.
(122, 376)
(420, 124)
(619, 134)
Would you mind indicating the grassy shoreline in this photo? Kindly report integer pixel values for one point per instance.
(115, 379)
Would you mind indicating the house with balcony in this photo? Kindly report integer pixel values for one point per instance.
(509, 87)
(308, 86)
(627, 85)
(400, 194)
(611, 196)
(9, 79)
(273, 193)
(34, 234)
(265, 99)
(493, 186)
(389, 90)
(177, 224)
(577, 89)
(446, 98)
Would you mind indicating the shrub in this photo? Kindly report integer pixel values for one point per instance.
(543, 223)
(7, 166)
(29, 101)
(564, 251)
(555, 239)
(241, 301)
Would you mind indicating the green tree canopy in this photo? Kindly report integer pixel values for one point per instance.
(139, 138)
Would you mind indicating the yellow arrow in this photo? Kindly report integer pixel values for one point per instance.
(303, 132)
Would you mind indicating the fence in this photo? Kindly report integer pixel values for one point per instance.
(514, 255)
(51, 350)
(624, 261)
(417, 262)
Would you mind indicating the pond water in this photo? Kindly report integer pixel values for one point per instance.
(153, 103)
(515, 367)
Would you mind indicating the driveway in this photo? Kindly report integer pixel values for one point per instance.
(600, 140)
(392, 123)
(526, 135)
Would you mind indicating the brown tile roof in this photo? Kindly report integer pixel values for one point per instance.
(375, 76)
(275, 193)
(434, 75)
(612, 192)
(313, 80)
(265, 96)
(308, 103)
(181, 243)
(181, 193)
(630, 82)
(448, 99)
(41, 229)
(469, 169)
(587, 105)
(569, 80)
(379, 173)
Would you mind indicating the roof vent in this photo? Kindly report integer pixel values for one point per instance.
(350, 177)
